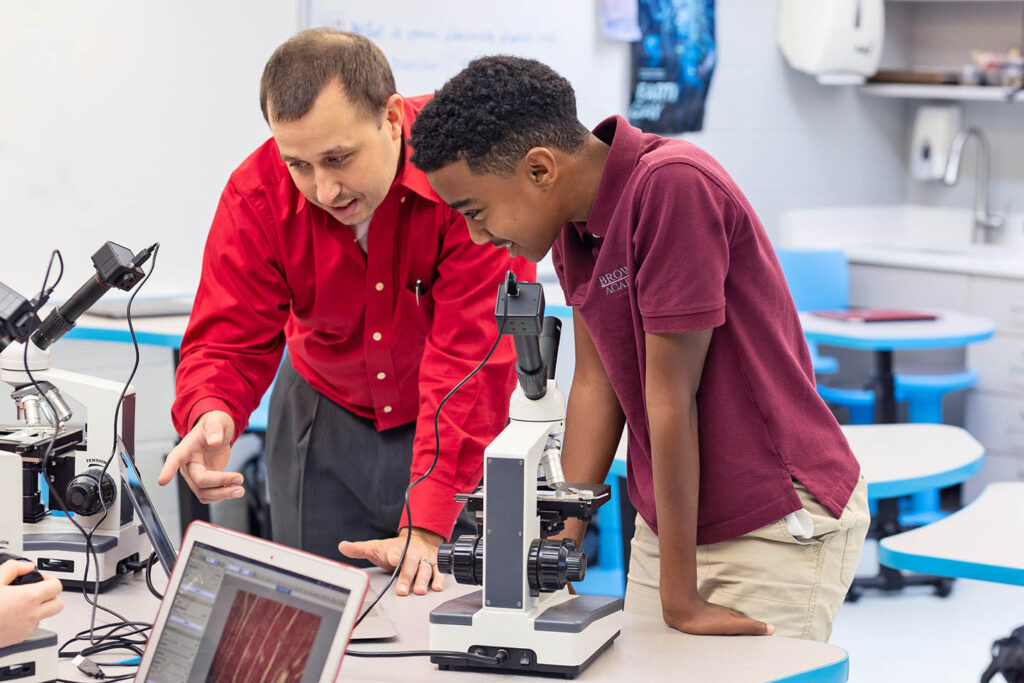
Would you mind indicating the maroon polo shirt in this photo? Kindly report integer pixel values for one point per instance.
(672, 246)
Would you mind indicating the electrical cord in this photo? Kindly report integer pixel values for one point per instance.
(149, 578)
(138, 260)
(484, 659)
(107, 641)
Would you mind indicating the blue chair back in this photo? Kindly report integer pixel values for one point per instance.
(818, 279)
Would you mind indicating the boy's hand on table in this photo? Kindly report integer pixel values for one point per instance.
(697, 616)
(420, 567)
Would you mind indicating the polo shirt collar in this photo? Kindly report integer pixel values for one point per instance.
(408, 177)
(625, 141)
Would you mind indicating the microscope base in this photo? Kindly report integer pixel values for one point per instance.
(563, 639)
(32, 661)
(63, 555)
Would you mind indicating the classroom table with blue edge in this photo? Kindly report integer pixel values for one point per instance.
(647, 649)
(901, 460)
(982, 541)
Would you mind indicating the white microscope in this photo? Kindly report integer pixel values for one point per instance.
(73, 468)
(525, 620)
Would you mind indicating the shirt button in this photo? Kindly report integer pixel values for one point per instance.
(402, 200)
(387, 409)
(376, 336)
(379, 286)
(381, 375)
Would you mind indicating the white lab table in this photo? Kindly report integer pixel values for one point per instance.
(646, 649)
(982, 541)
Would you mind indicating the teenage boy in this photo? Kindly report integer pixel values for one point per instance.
(752, 510)
(328, 240)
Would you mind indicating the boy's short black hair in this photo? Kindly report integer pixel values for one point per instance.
(492, 113)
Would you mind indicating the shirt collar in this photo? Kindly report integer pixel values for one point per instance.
(409, 177)
(625, 142)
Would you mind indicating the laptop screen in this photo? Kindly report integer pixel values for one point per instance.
(235, 619)
(150, 521)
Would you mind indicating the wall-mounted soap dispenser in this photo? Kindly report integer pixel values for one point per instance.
(935, 126)
(837, 41)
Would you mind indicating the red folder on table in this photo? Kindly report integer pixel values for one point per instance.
(875, 315)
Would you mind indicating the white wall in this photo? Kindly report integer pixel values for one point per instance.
(121, 120)
(788, 141)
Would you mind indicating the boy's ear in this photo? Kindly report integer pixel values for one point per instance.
(539, 165)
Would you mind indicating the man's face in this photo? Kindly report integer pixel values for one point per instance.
(512, 211)
(339, 156)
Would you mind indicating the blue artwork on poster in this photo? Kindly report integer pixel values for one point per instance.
(672, 65)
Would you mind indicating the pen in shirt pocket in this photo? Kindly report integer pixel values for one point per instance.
(419, 288)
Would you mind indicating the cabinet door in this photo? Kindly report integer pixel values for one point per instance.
(1001, 300)
(996, 421)
(999, 362)
(885, 287)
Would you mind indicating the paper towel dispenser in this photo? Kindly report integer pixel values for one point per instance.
(837, 41)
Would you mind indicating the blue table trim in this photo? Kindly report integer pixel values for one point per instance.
(940, 566)
(172, 341)
(905, 487)
(558, 311)
(889, 344)
(837, 672)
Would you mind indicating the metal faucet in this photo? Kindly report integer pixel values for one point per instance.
(986, 223)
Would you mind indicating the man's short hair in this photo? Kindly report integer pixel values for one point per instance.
(493, 112)
(301, 67)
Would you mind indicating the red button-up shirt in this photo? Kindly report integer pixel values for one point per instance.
(279, 270)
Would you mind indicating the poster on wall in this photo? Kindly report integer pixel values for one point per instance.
(672, 65)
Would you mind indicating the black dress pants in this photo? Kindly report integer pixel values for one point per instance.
(331, 475)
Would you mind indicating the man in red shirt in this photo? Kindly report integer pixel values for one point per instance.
(751, 508)
(328, 241)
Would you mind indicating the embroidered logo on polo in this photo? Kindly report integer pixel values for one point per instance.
(615, 281)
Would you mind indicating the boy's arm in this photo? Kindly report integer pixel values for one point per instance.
(675, 363)
(593, 422)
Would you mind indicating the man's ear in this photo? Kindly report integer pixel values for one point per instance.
(394, 115)
(540, 167)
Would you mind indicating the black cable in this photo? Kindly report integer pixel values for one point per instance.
(90, 550)
(437, 454)
(471, 656)
(149, 578)
(154, 250)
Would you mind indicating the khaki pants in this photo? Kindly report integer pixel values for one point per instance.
(795, 584)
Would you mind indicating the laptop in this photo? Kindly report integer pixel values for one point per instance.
(376, 626)
(236, 603)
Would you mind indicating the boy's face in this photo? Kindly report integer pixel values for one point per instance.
(516, 211)
(341, 158)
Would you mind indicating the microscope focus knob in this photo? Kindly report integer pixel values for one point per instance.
(553, 563)
(90, 492)
(464, 559)
(576, 565)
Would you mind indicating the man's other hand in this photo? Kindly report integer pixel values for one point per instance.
(420, 567)
(201, 458)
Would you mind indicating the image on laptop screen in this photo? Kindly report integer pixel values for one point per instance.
(235, 619)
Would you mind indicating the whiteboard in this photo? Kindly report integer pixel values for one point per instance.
(429, 41)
